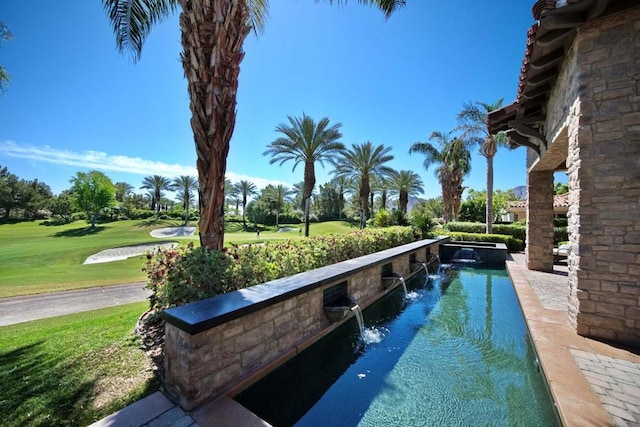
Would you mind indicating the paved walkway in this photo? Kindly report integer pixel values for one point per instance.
(34, 307)
(579, 370)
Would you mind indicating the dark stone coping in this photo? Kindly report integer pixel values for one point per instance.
(489, 252)
(202, 315)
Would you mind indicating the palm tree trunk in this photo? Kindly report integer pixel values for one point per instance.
(489, 219)
(309, 183)
(403, 201)
(213, 32)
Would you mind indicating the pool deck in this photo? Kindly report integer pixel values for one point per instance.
(593, 384)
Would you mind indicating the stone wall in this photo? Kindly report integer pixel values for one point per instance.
(600, 111)
(539, 244)
(242, 347)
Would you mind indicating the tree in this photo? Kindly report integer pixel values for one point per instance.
(474, 125)
(306, 142)
(5, 34)
(246, 189)
(277, 196)
(213, 32)
(405, 183)
(156, 185)
(432, 208)
(123, 190)
(362, 162)
(63, 206)
(454, 162)
(93, 191)
(344, 185)
(185, 185)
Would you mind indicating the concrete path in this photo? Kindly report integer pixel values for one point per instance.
(33, 307)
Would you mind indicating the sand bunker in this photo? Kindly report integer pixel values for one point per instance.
(173, 232)
(118, 254)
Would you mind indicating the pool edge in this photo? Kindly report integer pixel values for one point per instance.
(552, 338)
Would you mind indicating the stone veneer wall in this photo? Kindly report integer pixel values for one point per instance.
(225, 358)
(539, 244)
(597, 102)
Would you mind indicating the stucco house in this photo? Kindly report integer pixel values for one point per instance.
(578, 110)
(517, 210)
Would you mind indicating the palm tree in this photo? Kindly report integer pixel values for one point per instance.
(405, 183)
(475, 127)
(277, 195)
(185, 185)
(156, 184)
(123, 190)
(246, 189)
(307, 142)
(343, 185)
(5, 34)
(362, 162)
(213, 32)
(454, 162)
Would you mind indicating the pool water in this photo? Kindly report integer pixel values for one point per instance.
(455, 353)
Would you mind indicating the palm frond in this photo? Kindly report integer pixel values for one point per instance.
(132, 21)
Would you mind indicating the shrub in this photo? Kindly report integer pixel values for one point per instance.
(560, 234)
(560, 222)
(399, 218)
(382, 218)
(181, 275)
(422, 224)
(516, 230)
(513, 244)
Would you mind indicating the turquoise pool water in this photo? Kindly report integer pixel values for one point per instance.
(456, 352)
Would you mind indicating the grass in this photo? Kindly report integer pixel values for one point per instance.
(74, 369)
(37, 258)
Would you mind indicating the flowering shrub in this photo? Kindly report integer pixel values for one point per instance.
(185, 274)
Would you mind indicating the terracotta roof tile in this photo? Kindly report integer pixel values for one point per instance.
(559, 201)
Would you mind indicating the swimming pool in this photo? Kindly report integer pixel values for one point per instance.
(455, 353)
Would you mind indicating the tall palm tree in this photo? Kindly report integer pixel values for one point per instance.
(454, 162)
(344, 185)
(306, 142)
(246, 189)
(123, 190)
(5, 34)
(156, 185)
(277, 195)
(213, 32)
(474, 125)
(405, 183)
(185, 185)
(362, 162)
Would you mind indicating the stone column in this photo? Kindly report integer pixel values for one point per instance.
(539, 250)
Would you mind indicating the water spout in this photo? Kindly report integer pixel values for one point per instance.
(404, 286)
(466, 255)
(358, 312)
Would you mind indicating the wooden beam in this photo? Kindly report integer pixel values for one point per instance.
(526, 131)
(548, 60)
(543, 77)
(528, 120)
(553, 36)
(518, 139)
(536, 92)
(597, 8)
(560, 21)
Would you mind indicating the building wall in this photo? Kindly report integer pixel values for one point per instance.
(596, 103)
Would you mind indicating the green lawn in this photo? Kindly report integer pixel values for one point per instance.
(74, 369)
(37, 258)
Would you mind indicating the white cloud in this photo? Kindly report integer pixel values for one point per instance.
(116, 163)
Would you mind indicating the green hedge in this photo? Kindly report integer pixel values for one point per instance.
(560, 234)
(182, 275)
(513, 244)
(519, 231)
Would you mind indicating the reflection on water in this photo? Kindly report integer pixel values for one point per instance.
(456, 354)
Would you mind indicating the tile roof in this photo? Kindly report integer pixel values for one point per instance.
(545, 47)
(559, 201)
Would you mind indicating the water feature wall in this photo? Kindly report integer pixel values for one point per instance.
(487, 252)
(221, 345)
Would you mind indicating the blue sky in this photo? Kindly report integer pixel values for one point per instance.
(74, 103)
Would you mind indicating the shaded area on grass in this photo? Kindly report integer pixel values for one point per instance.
(72, 370)
(80, 232)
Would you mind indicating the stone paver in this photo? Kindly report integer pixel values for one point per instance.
(614, 380)
(617, 384)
